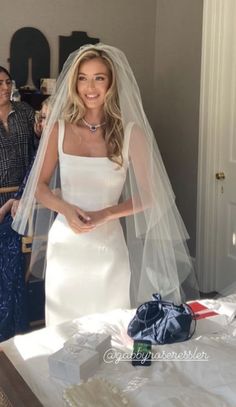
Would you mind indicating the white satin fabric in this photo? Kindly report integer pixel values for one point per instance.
(87, 272)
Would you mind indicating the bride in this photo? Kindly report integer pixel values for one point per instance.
(110, 168)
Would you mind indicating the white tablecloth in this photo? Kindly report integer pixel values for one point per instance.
(206, 376)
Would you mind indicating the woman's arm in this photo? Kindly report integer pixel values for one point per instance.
(111, 213)
(77, 219)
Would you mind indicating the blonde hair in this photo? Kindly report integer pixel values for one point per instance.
(74, 109)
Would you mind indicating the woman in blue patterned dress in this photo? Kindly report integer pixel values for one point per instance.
(17, 148)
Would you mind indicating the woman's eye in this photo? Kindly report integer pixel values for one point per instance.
(99, 78)
(81, 78)
(8, 82)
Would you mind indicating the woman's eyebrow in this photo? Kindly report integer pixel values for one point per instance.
(98, 73)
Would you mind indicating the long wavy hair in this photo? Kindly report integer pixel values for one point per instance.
(75, 109)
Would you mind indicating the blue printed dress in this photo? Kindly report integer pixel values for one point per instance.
(17, 148)
(13, 293)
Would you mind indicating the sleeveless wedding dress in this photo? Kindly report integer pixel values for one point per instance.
(88, 272)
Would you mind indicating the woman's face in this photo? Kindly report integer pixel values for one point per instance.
(93, 82)
(5, 88)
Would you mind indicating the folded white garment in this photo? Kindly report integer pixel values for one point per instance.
(222, 307)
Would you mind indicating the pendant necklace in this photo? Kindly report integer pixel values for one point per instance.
(93, 127)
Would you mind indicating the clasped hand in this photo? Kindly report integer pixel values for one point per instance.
(82, 221)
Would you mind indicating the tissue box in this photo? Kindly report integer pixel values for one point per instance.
(74, 364)
(98, 342)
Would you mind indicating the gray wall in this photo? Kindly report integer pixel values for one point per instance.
(162, 40)
(127, 24)
(177, 95)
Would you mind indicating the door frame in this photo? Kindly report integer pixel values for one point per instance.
(214, 20)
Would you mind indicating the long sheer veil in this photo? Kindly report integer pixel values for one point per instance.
(155, 235)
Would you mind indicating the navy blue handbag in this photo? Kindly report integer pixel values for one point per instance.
(162, 322)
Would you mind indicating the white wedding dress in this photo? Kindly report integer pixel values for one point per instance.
(89, 272)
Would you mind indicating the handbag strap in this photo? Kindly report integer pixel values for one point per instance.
(144, 307)
(157, 297)
(193, 319)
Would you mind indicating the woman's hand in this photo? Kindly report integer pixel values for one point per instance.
(78, 220)
(98, 218)
(6, 208)
(14, 207)
(1, 215)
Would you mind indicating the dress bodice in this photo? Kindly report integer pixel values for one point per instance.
(92, 183)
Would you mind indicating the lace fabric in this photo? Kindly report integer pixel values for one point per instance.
(95, 392)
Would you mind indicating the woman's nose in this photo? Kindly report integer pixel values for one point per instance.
(91, 83)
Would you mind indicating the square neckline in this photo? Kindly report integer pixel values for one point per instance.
(61, 135)
(61, 132)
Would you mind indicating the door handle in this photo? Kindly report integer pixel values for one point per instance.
(220, 175)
